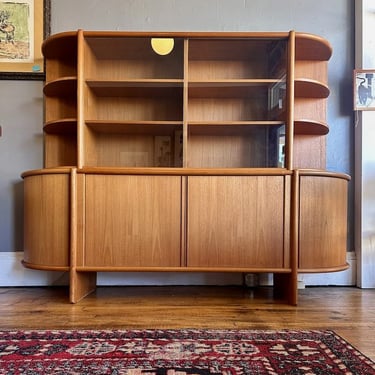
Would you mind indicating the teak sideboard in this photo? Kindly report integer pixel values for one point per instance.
(207, 157)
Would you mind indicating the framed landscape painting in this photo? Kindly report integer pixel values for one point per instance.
(24, 24)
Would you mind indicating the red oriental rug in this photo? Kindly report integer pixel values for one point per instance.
(179, 352)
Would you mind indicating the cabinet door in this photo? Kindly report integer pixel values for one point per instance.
(323, 223)
(236, 222)
(132, 221)
(46, 232)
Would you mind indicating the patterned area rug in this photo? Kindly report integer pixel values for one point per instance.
(179, 352)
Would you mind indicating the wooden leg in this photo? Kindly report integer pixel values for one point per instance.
(286, 287)
(81, 284)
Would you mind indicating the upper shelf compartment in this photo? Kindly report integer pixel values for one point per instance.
(236, 59)
(311, 84)
(137, 88)
(60, 52)
(60, 45)
(116, 58)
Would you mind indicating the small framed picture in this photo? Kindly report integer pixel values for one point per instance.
(364, 90)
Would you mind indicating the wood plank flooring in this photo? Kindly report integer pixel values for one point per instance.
(350, 312)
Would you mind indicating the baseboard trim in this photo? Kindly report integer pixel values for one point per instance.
(14, 274)
(342, 278)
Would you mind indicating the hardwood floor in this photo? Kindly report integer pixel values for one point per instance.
(350, 312)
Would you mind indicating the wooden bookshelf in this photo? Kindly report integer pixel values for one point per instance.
(207, 158)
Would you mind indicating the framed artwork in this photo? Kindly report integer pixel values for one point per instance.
(364, 90)
(24, 24)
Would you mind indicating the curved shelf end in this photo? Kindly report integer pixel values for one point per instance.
(308, 88)
(58, 45)
(310, 127)
(61, 87)
(312, 47)
(63, 126)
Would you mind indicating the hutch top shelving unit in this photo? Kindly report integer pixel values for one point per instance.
(234, 85)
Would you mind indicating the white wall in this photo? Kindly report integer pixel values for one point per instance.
(365, 151)
(21, 148)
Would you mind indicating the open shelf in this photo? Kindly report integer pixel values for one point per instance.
(228, 128)
(131, 58)
(307, 88)
(310, 127)
(137, 88)
(61, 87)
(135, 127)
(68, 126)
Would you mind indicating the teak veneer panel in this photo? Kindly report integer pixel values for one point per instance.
(228, 150)
(312, 70)
(307, 145)
(60, 150)
(161, 108)
(132, 221)
(236, 222)
(47, 220)
(323, 223)
(62, 107)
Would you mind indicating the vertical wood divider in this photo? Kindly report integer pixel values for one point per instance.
(287, 284)
(80, 100)
(287, 219)
(290, 100)
(183, 247)
(81, 283)
(294, 238)
(185, 104)
(184, 179)
(292, 293)
(73, 235)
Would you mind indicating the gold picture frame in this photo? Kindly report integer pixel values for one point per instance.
(24, 24)
(364, 90)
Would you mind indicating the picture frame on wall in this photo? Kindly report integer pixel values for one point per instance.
(364, 90)
(24, 25)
